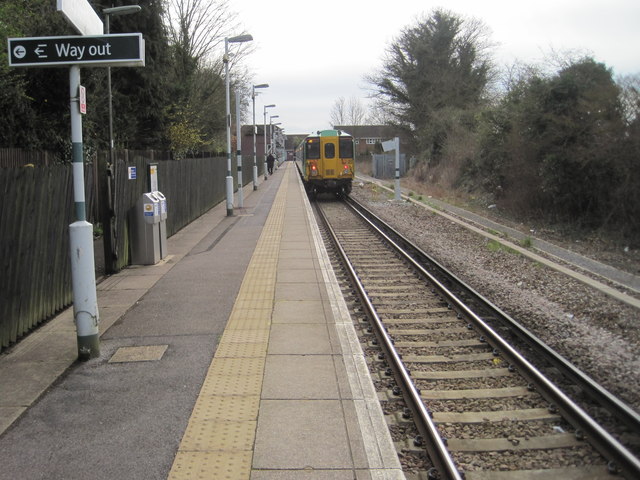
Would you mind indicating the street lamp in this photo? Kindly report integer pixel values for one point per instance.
(255, 167)
(225, 59)
(274, 140)
(265, 138)
(239, 150)
(108, 12)
(271, 124)
(111, 244)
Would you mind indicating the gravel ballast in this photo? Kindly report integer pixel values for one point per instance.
(595, 332)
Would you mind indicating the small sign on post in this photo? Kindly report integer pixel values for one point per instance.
(82, 94)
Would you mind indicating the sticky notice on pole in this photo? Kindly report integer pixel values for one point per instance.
(131, 173)
(82, 94)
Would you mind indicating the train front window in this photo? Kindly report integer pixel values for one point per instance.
(312, 148)
(346, 147)
(329, 150)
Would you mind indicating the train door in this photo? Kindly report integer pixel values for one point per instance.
(330, 158)
(312, 158)
(345, 149)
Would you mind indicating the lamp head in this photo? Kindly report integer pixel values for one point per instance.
(240, 39)
(124, 10)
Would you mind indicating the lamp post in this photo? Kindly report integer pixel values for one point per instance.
(225, 59)
(271, 125)
(108, 12)
(255, 166)
(239, 150)
(111, 245)
(276, 134)
(265, 138)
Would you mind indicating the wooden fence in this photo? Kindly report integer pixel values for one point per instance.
(36, 208)
(16, 157)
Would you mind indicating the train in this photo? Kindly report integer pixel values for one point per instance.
(326, 163)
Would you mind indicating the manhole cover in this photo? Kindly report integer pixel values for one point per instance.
(148, 353)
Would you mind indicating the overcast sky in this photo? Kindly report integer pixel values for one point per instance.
(312, 53)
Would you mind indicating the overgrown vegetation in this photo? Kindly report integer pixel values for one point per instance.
(175, 102)
(561, 145)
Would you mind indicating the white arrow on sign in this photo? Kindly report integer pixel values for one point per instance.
(19, 51)
(39, 51)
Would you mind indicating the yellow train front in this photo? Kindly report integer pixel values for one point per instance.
(326, 162)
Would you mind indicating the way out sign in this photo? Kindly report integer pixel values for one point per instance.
(117, 50)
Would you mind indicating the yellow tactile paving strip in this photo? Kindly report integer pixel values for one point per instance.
(218, 441)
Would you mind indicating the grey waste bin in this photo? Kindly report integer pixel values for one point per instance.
(145, 238)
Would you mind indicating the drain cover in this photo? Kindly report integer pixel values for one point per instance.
(147, 353)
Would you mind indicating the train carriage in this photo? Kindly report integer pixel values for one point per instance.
(326, 162)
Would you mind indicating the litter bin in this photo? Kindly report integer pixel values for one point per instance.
(145, 238)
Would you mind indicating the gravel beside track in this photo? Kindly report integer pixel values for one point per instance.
(598, 334)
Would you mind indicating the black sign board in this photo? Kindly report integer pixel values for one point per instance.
(105, 50)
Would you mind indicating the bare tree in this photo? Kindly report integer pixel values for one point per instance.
(356, 111)
(348, 112)
(338, 114)
(198, 28)
(630, 96)
(379, 114)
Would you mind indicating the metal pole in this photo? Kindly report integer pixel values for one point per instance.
(398, 198)
(229, 178)
(107, 31)
(255, 166)
(112, 239)
(239, 150)
(85, 302)
(265, 143)
(271, 149)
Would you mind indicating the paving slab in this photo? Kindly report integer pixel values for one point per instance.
(301, 377)
(301, 434)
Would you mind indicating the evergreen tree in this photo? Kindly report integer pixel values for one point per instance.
(34, 101)
(432, 72)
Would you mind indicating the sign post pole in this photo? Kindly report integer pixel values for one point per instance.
(397, 198)
(90, 49)
(395, 145)
(85, 302)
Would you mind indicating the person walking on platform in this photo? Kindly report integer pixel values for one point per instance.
(270, 160)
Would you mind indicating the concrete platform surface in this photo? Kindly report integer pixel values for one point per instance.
(233, 358)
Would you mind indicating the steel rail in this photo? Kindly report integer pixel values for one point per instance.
(625, 414)
(436, 448)
(607, 445)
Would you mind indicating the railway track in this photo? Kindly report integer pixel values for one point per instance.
(481, 410)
